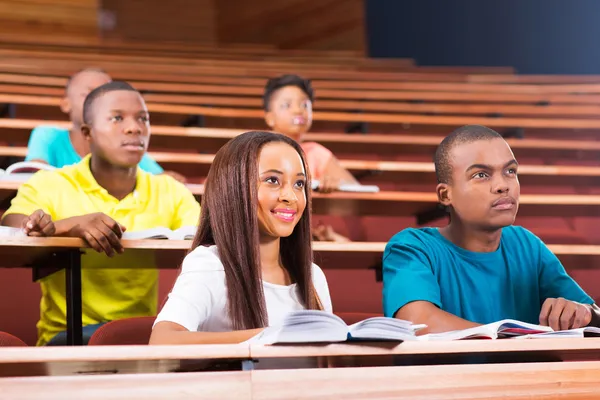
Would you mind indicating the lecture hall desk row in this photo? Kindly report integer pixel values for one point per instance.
(405, 204)
(421, 175)
(54, 80)
(405, 175)
(47, 255)
(27, 101)
(100, 373)
(59, 361)
(165, 109)
(401, 147)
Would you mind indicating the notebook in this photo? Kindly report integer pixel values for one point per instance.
(314, 326)
(183, 233)
(350, 188)
(506, 328)
(7, 231)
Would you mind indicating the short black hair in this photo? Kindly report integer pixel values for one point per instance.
(279, 82)
(462, 135)
(112, 86)
(81, 71)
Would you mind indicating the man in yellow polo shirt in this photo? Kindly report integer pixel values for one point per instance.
(97, 200)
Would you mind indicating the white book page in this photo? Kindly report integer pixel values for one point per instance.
(7, 231)
(154, 233)
(350, 188)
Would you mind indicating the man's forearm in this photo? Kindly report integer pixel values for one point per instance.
(421, 312)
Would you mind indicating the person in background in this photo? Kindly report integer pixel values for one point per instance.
(288, 101)
(96, 200)
(60, 147)
(480, 268)
(251, 259)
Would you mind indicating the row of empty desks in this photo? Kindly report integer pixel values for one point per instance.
(62, 361)
(146, 372)
(575, 380)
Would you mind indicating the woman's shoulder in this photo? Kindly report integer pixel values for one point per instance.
(202, 259)
(318, 274)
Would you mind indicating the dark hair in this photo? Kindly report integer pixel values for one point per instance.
(113, 86)
(82, 71)
(462, 135)
(275, 84)
(229, 220)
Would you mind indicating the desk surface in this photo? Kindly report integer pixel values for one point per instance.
(573, 380)
(563, 347)
(170, 253)
(117, 359)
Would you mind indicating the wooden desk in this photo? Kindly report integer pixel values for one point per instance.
(461, 351)
(30, 361)
(576, 380)
(573, 380)
(211, 140)
(47, 255)
(531, 176)
(199, 385)
(388, 203)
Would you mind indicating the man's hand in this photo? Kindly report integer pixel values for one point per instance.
(328, 184)
(101, 232)
(39, 224)
(561, 314)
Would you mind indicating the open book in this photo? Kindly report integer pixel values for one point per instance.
(506, 328)
(314, 326)
(350, 188)
(588, 331)
(183, 233)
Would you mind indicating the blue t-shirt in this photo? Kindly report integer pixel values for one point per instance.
(511, 282)
(53, 145)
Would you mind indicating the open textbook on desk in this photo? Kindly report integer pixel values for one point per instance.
(509, 328)
(314, 326)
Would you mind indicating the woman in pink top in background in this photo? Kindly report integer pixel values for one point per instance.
(288, 110)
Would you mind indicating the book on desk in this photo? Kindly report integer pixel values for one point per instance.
(183, 233)
(314, 326)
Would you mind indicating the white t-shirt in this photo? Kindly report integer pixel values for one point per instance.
(198, 300)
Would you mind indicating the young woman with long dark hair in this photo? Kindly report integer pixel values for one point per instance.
(251, 259)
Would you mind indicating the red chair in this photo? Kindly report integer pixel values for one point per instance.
(8, 340)
(123, 331)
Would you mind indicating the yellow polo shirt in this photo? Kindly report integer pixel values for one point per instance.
(121, 287)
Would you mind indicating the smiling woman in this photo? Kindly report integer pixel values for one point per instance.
(252, 256)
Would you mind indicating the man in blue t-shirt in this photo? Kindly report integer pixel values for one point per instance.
(479, 268)
(60, 147)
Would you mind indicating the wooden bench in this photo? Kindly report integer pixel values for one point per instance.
(17, 94)
(375, 118)
(209, 140)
